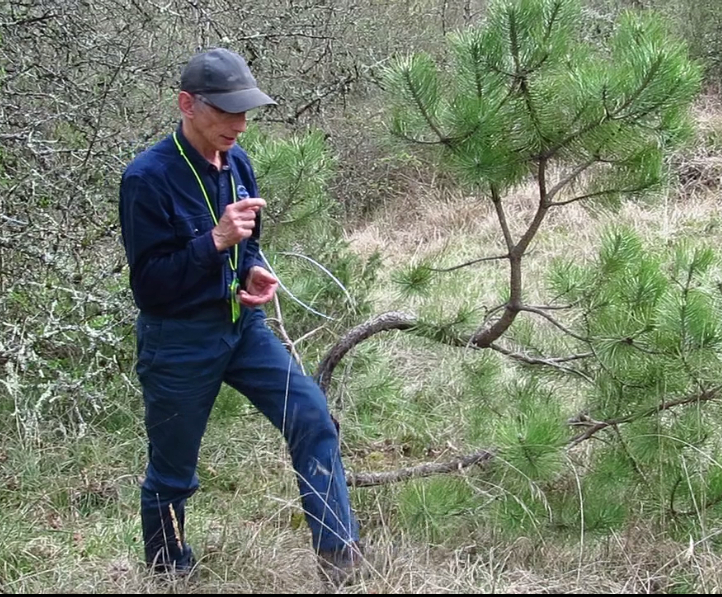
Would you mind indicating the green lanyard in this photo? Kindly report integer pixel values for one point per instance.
(233, 262)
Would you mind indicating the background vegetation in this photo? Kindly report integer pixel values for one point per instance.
(633, 506)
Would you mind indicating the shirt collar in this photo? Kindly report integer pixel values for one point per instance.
(194, 156)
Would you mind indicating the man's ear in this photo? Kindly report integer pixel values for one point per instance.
(186, 104)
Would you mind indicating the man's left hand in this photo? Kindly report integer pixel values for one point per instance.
(261, 285)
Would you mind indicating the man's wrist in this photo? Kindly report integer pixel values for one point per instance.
(217, 241)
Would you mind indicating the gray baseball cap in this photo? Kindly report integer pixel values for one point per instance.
(224, 79)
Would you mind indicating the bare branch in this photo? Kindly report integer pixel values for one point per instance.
(29, 21)
(281, 34)
(596, 426)
(468, 263)
(553, 362)
(565, 181)
(421, 470)
(394, 320)
(104, 98)
(554, 322)
(600, 194)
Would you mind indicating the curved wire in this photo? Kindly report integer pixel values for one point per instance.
(289, 293)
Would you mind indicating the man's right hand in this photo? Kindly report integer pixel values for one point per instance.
(237, 223)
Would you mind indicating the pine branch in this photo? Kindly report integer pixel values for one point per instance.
(639, 116)
(501, 216)
(292, 198)
(573, 357)
(609, 116)
(552, 20)
(420, 141)
(394, 320)
(398, 320)
(709, 504)
(555, 307)
(485, 336)
(468, 263)
(553, 363)
(403, 321)
(493, 311)
(565, 181)
(554, 322)
(422, 109)
(602, 193)
(519, 75)
(607, 370)
(596, 426)
(477, 73)
(484, 456)
(632, 460)
(540, 214)
(642, 87)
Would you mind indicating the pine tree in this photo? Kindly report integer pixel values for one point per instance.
(525, 98)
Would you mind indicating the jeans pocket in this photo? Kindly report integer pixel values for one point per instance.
(150, 338)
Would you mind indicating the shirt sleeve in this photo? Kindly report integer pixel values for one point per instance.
(252, 255)
(160, 269)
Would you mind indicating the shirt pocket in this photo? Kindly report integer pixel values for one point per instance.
(192, 227)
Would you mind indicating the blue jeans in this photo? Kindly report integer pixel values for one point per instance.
(181, 365)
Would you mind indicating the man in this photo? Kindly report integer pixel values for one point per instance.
(190, 218)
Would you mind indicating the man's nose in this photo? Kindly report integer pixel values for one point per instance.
(239, 123)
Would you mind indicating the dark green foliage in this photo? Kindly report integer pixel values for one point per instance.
(525, 90)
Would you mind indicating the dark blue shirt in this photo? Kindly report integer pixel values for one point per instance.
(175, 268)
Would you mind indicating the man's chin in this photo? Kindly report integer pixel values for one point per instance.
(227, 143)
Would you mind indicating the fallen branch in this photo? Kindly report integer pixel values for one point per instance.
(421, 470)
(485, 456)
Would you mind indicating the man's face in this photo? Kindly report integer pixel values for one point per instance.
(218, 128)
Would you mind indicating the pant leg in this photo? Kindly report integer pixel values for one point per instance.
(180, 367)
(263, 370)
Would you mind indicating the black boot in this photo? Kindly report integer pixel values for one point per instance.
(163, 535)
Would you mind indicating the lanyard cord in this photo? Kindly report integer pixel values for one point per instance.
(233, 262)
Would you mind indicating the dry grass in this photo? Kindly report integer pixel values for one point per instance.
(458, 229)
(256, 560)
